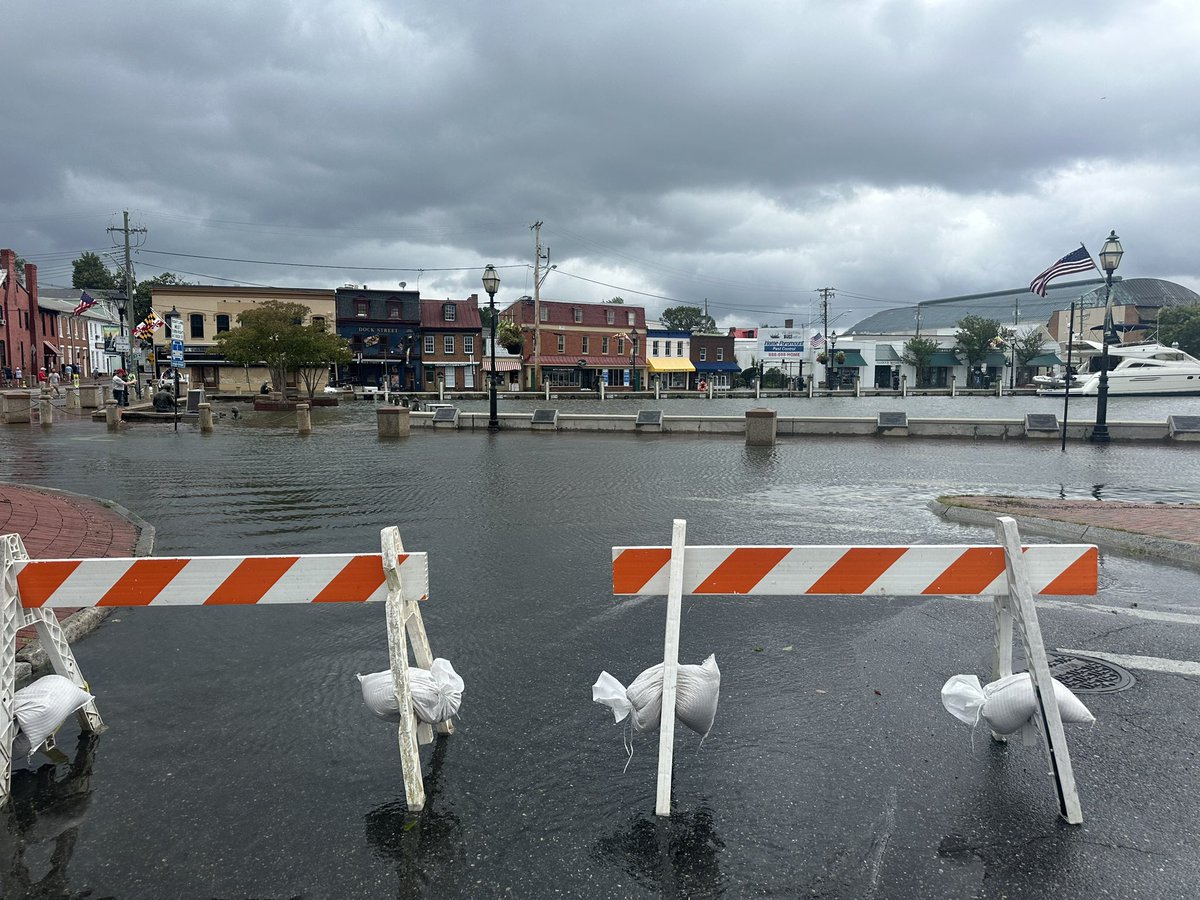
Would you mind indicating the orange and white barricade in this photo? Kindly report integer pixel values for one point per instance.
(32, 589)
(1008, 573)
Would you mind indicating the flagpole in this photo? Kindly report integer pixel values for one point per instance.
(1067, 388)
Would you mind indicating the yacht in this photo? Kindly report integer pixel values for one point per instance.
(1143, 368)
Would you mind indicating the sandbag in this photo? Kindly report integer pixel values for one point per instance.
(436, 692)
(697, 691)
(1006, 704)
(41, 707)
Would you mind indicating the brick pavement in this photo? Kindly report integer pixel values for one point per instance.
(58, 525)
(1170, 521)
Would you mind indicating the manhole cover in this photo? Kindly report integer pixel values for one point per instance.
(1085, 675)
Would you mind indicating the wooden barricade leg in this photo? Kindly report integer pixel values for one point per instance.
(410, 758)
(54, 642)
(1002, 640)
(1047, 717)
(666, 727)
(10, 616)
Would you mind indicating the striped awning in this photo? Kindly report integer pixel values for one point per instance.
(670, 364)
(504, 364)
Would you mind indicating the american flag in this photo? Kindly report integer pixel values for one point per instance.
(817, 340)
(1076, 261)
(86, 302)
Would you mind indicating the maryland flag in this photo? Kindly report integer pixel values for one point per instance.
(146, 328)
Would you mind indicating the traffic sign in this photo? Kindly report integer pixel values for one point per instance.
(176, 330)
(176, 354)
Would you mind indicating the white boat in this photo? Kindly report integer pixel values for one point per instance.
(1138, 369)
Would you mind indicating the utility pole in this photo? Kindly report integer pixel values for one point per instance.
(826, 296)
(128, 305)
(536, 227)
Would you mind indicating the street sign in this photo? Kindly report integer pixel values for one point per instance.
(121, 344)
(176, 354)
(176, 330)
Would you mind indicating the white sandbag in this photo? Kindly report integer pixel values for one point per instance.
(1006, 704)
(40, 708)
(437, 693)
(697, 691)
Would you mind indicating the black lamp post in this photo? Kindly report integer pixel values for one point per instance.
(491, 284)
(633, 385)
(1110, 258)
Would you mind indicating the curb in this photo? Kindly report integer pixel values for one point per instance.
(32, 658)
(1109, 539)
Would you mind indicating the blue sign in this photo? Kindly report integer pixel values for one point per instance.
(177, 354)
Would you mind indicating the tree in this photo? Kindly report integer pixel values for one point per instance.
(1180, 325)
(974, 338)
(1026, 348)
(687, 318)
(272, 335)
(918, 351)
(90, 273)
(615, 300)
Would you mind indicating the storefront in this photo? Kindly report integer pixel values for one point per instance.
(671, 373)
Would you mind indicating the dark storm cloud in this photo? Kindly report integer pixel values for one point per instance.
(744, 153)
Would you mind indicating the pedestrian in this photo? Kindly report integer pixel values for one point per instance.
(54, 379)
(17, 374)
(120, 388)
(41, 377)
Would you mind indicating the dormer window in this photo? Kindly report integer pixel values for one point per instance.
(393, 310)
(449, 312)
(545, 314)
(578, 315)
(360, 308)
(610, 316)
(632, 316)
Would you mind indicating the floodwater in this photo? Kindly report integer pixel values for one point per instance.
(240, 761)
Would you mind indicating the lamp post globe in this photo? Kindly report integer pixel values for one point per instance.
(491, 284)
(1110, 258)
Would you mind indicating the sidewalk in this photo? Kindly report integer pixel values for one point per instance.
(59, 525)
(1164, 530)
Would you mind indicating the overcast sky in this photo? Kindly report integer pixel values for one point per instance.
(744, 153)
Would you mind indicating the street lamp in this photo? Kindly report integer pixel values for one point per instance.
(171, 318)
(633, 361)
(1110, 258)
(491, 284)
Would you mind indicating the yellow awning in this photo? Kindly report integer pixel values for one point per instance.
(670, 364)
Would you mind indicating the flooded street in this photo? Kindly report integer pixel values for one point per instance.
(241, 762)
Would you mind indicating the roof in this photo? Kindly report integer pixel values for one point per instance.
(466, 315)
(1004, 306)
(594, 315)
(886, 353)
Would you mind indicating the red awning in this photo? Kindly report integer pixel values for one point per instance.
(50, 348)
(502, 365)
(565, 360)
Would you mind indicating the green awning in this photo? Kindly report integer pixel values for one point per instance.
(943, 359)
(886, 353)
(996, 360)
(853, 358)
(1046, 359)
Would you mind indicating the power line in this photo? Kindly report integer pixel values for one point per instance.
(272, 262)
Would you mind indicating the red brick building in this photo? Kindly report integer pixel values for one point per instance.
(21, 331)
(452, 343)
(583, 345)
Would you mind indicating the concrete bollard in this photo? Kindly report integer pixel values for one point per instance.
(112, 415)
(953, 385)
(46, 410)
(17, 407)
(393, 421)
(760, 427)
(757, 389)
(904, 385)
(657, 389)
(206, 419)
(91, 396)
(811, 381)
(547, 389)
(602, 390)
(857, 386)
(999, 387)
(712, 386)
(72, 398)
(303, 419)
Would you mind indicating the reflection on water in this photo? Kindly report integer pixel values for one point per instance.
(675, 857)
(47, 808)
(423, 844)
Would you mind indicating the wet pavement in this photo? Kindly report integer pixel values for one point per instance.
(240, 762)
